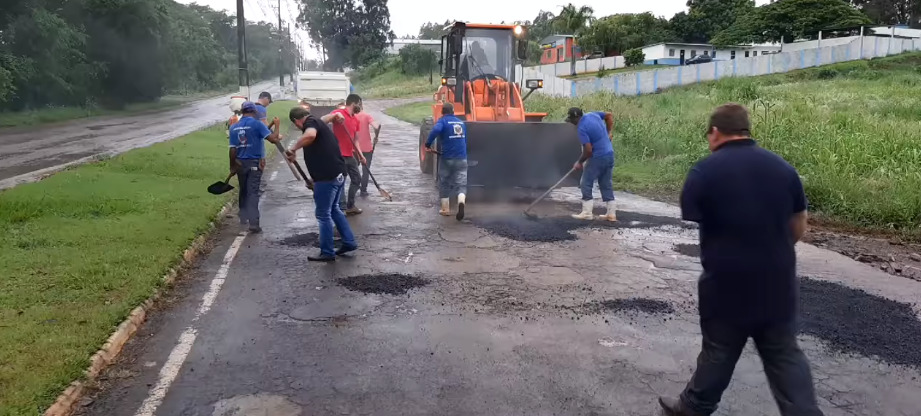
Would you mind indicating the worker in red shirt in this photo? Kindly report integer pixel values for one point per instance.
(345, 127)
(366, 124)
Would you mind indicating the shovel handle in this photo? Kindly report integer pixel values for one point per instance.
(234, 172)
(551, 189)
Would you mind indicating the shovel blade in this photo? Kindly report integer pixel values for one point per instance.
(218, 188)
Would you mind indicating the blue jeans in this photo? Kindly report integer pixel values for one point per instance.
(600, 169)
(326, 196)
(452, 177)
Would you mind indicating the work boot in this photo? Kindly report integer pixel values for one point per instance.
(611, 215)
(321, 258)
(345, 249)
(445, 207)
(675, 407)
(353, 211)
(586, 214)
(461, 203)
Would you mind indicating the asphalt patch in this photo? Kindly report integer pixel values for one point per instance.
(690, 250)
(550, 229)
(389, 283)
(855, 322)
(637, 305)
(306, 240)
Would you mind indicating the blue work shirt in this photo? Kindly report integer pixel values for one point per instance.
(592, 129)
(247, 137)
(453, 134)
(743, 197)
(261, 112)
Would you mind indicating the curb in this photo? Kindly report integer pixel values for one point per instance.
(66, 403)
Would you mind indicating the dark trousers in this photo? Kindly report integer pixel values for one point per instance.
(250, 177)
(365, 172)
(784, 363)
(351, 170)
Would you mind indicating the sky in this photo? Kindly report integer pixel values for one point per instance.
(407, 15)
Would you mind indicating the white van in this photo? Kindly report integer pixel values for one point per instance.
(322, 90)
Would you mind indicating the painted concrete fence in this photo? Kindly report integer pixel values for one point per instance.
(650, 81)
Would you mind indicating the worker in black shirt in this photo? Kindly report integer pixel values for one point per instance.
(325, 165)
(751, 208)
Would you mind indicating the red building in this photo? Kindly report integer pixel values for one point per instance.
(557, 48)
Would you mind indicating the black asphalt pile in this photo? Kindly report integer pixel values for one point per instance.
(305, 240)
(856, 322)
(549, 229)
(690, 250)
(637, 305)
(390, 283)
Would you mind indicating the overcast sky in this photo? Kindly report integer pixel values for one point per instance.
(407, 15)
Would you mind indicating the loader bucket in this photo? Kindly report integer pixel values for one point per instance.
(521, 155)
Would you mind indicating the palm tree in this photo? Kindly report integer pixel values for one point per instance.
(574, 20)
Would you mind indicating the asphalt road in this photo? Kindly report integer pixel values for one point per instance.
(27, 153)
(502, 327)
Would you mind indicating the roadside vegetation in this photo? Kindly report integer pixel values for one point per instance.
(412, 112)
(604, 73)
(85, 246)
(851, 129)
(405, 75)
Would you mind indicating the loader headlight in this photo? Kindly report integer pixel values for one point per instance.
(449, 81)
(518, 30)
(534, 84)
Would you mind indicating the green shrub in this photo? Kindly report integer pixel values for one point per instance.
(634, 57)
(417, 60)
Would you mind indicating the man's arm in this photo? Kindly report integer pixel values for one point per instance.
(799, 223)
(436, 131)
(234, 163)
(332, 117)
(307, 139)
(270, 135)
(609, 122)
(692, 196)
(586, 149)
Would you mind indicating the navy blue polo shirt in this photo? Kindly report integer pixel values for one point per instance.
(743, 197)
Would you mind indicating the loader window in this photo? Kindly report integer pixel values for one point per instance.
(488, 52)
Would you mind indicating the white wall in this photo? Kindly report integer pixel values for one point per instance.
(812, 44)
(656, 52)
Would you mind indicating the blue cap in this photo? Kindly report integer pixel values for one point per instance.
(248, 107)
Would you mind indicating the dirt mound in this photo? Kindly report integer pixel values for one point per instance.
(390, 283)
(550, 229)
(856, 322)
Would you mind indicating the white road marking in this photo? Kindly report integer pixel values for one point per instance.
(180, 352)
(274, 175)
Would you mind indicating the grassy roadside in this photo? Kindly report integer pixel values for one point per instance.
(56, 114)
(85, 246)
(412, 112)
(385, 79)
(852, 130)
(611, 72)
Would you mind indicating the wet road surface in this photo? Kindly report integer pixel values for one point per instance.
(27, 153)
(466, 321)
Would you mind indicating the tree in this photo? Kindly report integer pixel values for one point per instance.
(573, 20)
(891, 12)
(417, 60)
(616, 33)
(706, 18)
(790, 20)
(349, 33)
(541, 26)
(432, 30)
(634, 57)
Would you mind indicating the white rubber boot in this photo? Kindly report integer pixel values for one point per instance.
(461, 204)
(611, 215)
(445, 207)
(586, 214)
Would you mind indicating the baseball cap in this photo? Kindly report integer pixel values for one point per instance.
(248, 107)
(574, 114)
(265, 94)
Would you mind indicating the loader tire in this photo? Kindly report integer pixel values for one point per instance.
(426, 160)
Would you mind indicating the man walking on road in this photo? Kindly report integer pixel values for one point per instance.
(325, 164)
(367, 145)
(595, 132)
(247, 153)
(452, 162)
(345, 128)
(751, 208)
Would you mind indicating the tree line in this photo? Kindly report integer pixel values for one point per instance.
(113, 52)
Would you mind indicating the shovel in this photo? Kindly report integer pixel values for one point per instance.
(386, 195)
(218, 188)
(541, 198)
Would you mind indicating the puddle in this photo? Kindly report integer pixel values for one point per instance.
(856, 322)
(256, 404)
(389, 283)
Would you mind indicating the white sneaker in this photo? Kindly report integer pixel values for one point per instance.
(445, 207)
(611, 215)
(586, 214)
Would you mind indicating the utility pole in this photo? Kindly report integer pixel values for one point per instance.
(281, 61)
(241, 51)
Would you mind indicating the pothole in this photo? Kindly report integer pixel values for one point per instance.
(636, 306)
(854, 321)
(389, 283)
(551, 229)
(690, 250)
(305, 240)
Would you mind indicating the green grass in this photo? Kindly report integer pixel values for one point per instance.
(611, 72)
(853, 130)
(385, 79)
(412, 112)
(85, 246)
